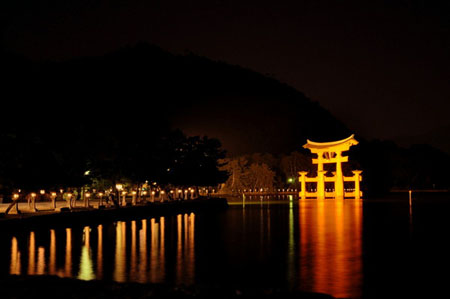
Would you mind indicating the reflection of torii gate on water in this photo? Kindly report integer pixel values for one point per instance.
(330, 152)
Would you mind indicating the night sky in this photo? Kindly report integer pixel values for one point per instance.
(381, 68)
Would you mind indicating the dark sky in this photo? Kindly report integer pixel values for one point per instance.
(383, 68)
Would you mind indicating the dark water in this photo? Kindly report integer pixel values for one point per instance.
(347, 249)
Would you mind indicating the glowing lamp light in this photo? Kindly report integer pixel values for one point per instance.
(185, 191)
(69, 195)
(134, 192)
(88, 195)
(171, 191)
(290, 180)
(61, 190)
(162, 192)
(179, 191)
(42, 192)
(100, 194)
(119, 187)
(53, 194)
(144, 192)
(33, 194)
(192, 190)
(153, 192)
(15, 196)
(124, 192)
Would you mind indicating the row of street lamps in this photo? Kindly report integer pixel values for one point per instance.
(161, 195)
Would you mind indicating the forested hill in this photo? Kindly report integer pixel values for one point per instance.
(247, 111)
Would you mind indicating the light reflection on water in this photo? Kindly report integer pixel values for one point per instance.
(322, 244)
(139, 252)
(331, 247)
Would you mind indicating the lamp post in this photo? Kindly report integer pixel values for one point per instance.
(69, 199)
(124, 198)
(33, 202)
(144, 196)
(133, 198)
(87, 195)
(16, 200)
(53, 197)
(100, 197)
(42, 193)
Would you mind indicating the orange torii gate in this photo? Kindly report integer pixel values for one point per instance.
(330, 152)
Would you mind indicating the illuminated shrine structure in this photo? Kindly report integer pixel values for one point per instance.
(328, 153)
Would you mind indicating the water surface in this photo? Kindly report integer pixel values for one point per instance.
(348, 249)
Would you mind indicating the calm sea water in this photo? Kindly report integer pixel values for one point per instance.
(348, 249)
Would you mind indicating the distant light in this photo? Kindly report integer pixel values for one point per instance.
(134, 192)
(54, 194)
(42, 191)
(290, 180)
(100, 194)
(144, 192)
(88, 195)
(87, 172)
(124, 192)
(15, 196)
(119, 187)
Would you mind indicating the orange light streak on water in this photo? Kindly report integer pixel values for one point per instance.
(15, 257)
(330, 237)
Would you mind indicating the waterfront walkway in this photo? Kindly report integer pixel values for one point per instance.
(45, 207)
(62, 215)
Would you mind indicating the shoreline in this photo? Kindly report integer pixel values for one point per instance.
(90, 215)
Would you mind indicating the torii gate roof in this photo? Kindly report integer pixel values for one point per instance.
(339, 145)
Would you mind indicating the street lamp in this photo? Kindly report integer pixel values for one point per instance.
(33, 201)
(53, 197)
(87, 196)
(69, 198)
(100, 202)
(133, 198)
(124, 201)
(16, 200)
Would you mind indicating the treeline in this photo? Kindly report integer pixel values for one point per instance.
(385, 166)
(51, 155)
(264, 171)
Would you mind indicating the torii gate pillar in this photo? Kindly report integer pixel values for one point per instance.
(331, 153)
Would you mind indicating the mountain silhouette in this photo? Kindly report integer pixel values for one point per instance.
(147, 86)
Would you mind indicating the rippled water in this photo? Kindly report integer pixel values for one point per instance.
(347, 249)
